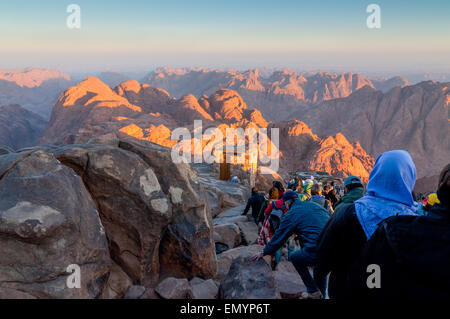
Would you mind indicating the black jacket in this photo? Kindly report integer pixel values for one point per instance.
(332, 197)
(255, 202)
(413, 253)
(338, 246)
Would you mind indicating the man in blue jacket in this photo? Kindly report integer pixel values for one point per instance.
(306, 220)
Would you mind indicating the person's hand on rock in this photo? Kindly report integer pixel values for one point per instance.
(257, 256)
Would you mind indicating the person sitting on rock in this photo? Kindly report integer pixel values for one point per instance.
(255, 201)
(412, 253)
(318, 198)
(354, 190)
(389, 193)
(306, 220)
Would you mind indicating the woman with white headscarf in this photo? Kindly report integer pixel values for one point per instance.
(389, 193)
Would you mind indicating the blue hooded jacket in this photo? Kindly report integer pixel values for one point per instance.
(305, 219)
(389, 191)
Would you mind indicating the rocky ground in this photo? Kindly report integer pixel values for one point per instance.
(137, 225)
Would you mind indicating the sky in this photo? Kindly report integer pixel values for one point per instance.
(307, 35)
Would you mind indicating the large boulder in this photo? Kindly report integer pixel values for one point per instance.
(249, 279)
(118, 283)
(154, 211)
(288, 281)
(225, 259)
(174, 288)
(249, 232)
(120, 209)
(222, 194)
(227, 234)
(48, 221)
(204, 289)
(187, 245)
(133, 208)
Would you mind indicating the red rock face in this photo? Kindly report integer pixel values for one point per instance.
(338, 157)
(227, 105)
(303, 150)
(414, 118)
(92, 109)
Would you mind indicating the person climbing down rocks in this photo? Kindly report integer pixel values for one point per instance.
(389, 193)
(255, 202)
(272, 196)
(413, 254)
(354, 190)
(306, 220)
(272, 218)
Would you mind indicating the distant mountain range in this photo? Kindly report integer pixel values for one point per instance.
(19, 127)
(92, 109)
(353, 118)
(276, 96)
(34, 89)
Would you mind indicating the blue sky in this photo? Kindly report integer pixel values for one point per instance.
(134, 35)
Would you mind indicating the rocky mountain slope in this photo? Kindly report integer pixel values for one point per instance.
(19, 127)
(92, 109)
(275, 96)
(415, 118)
(34, 89)
(303, 150)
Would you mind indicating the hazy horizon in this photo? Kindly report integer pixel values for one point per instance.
(143, 35)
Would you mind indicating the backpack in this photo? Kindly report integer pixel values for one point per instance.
(275, 217)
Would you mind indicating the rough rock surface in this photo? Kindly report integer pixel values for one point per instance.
(225, 259)
(135, 292)
(334, 155)
(174, 288)
(288, 281)
(120, 209)
(206, 289)
(228, 234)
(248, 279)
(48, 221)
(249, 232)
(19, 127)
(118, 283)
(414, 118)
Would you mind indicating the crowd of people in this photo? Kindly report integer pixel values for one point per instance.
(373, 241)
